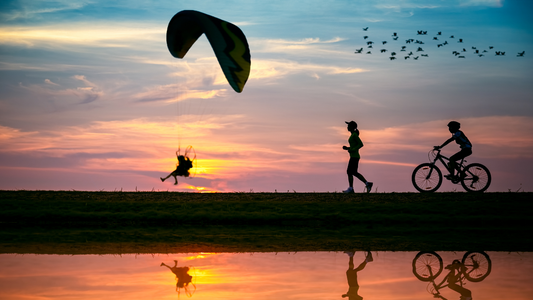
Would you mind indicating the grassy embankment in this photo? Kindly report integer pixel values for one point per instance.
(148, 222)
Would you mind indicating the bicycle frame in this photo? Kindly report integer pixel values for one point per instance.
(442, 285)
(459, 167)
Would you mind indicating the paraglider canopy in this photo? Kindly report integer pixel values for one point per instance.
(227, 40)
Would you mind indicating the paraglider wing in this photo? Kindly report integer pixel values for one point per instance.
(227, 40)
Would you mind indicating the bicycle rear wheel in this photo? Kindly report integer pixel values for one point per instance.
(427, 178)
(427, 266)
(475, 178)
(478, 266)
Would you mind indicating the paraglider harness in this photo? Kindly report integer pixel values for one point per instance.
(183, 166)
(184, 163)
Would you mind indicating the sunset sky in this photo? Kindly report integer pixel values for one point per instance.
(91, 98)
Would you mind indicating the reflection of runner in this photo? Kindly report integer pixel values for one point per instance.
(351, 275)
(182, 276)
(453, 278)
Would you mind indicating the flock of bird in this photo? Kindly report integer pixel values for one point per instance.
(415, 54)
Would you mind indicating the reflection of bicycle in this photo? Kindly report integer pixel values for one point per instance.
(427, 266)
(427, 177)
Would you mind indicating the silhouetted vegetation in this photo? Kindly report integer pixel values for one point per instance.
(140, 221)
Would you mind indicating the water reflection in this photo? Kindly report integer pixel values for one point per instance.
(351, 275)
(474, 267)
(266, 276)
(184, 281)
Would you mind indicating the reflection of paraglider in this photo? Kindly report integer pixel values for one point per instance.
(185, 163)
(227, 40)
(183, 279)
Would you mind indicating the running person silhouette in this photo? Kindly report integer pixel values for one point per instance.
(353, 164)
(460, 138)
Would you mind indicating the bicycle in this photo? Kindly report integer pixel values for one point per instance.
(427, 177)
(427, 266)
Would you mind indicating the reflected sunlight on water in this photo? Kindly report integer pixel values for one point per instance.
(258, 276)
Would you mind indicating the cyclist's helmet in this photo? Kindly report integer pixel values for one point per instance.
(454, 125)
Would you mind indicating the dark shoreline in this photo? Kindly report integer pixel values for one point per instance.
(72, 222)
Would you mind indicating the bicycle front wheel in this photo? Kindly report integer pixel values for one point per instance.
(478, 266)
(475, 178)
(427, 266)
(427, 178)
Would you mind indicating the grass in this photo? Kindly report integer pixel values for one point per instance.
(121, 222)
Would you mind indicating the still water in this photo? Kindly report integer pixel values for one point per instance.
(301, 275)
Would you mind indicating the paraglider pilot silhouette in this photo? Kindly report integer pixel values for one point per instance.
(182, 167)
(351, 276)
(353, 164)
(460, 138)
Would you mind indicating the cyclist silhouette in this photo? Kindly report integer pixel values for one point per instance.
(457, 270)
(351, 276)
(474, 267)
(460, 138)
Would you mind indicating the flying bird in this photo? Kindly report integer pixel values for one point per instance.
(395, 38)
(425, 55)
(365, 37)
(439, 33)
(419, 49)
(393, 53)
(406, 57)
(358, 50)
(369, 52)
(461, 56)
(369, 43)
(520, 54)
(460, 41)
(392, 58)
(384, 42)
(365, 29)
(383, 50)
(490, 47)
(415, 58)
(452, 37)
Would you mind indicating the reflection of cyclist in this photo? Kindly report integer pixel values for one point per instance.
(460, 138)
(457, 269)
(351, 275)
(182, 276)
